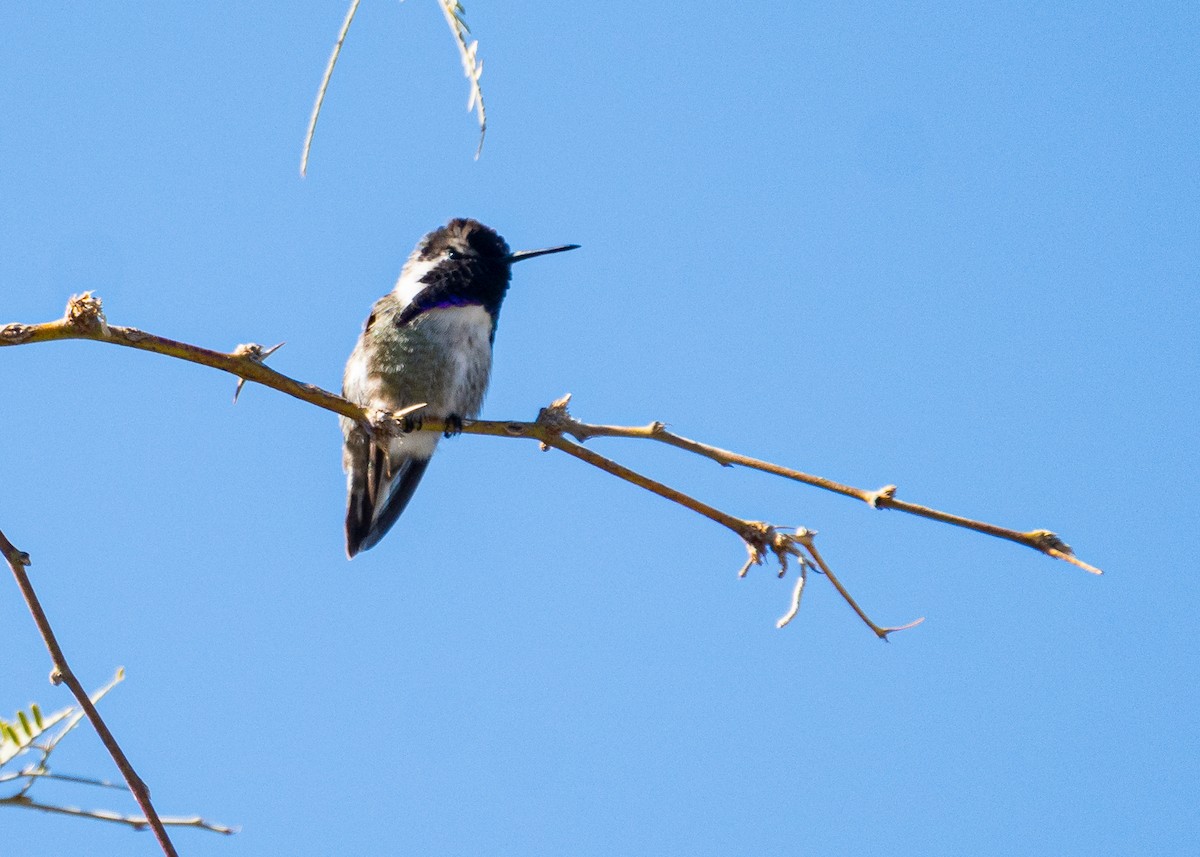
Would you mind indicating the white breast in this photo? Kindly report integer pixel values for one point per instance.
(466, 332)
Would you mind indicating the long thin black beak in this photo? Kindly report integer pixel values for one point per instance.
(522, 255)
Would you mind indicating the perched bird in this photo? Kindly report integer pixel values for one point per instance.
(427, 341)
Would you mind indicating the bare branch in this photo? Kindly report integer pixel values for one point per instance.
(85, 320)
(1043, 541)
(18, 561)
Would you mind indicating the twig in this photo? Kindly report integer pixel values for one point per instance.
(105, 815)
(85, 319)
(1043, 541)
(17, 561)
(798, 590)
(805, 538)
(316, 111)
(40, 773)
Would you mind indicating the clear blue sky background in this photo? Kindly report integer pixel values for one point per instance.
(951, 246)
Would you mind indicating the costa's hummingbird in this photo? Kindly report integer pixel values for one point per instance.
(428, 340)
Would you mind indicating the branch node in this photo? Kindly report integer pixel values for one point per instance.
(85, 312)
(1051, 545)
(883, 633)
(555, 417)
(887, 492)
(759, 537)
(804, 536)
(15, 334)
(254, 353)
(755, 559)
(556, 420)
(1044, 540)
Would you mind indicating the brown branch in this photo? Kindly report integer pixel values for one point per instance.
(85, 320)
(1043, 541)
(18, 560)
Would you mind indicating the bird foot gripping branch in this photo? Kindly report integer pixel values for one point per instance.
(382, 425)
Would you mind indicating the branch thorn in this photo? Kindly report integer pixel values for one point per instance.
(255, 353)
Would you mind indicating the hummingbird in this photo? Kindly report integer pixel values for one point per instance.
(429, 340)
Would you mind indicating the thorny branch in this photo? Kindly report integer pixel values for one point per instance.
(17, 561)
(553, 428)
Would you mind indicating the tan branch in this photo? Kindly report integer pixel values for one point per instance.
(805, 538)
(884, 498)
(85, 320)
(17, 561)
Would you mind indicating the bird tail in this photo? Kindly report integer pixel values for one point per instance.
(379, 490)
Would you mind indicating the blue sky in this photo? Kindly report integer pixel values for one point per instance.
(951, 248)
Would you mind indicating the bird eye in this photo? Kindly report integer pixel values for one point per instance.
(453, 254)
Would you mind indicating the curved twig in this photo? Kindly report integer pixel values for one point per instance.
(17, 561)
(316, 111)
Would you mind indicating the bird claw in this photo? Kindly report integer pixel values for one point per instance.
(410, 423)
(454, 426)
(381, 423)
